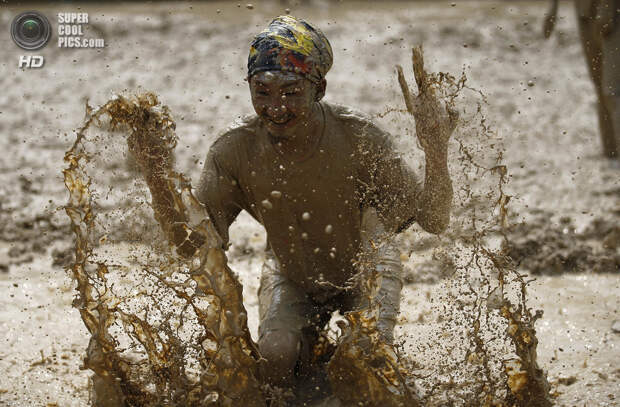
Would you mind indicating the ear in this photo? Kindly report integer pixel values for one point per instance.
(320, 90)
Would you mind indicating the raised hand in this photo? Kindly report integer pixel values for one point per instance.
(434, 120)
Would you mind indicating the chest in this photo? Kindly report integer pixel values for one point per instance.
(323, 181)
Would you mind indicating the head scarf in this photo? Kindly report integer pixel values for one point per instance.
(291, 44)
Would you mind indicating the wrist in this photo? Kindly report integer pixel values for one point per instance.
(436, 154)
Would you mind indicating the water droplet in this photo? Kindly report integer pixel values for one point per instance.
(276, 194)
(332, 255)
(304, 236)
(329, 229)
(291, 228)
(266, 204)
(316, 250)
(249, 6)
(305, 216)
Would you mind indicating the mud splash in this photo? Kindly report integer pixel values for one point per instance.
(364, 370)
(485, 352)
(167, 321)
(187, 341)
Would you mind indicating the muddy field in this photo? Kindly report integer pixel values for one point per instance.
(565, 206)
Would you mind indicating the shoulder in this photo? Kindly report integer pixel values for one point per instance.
(349, 116)
(357, 124)
(235, 139)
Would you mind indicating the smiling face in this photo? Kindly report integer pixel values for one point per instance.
(285, 102)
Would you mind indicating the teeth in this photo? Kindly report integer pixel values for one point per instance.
(279, 121)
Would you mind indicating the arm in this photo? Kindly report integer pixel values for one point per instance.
(434, 126)
(155, 159)
(219, 191)
(435, 200)
(393, 188)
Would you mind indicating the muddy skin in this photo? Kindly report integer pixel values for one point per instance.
(363, 368)
(285, 167)
(284, 102)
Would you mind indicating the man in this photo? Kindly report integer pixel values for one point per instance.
(599, 29)
(324, 181)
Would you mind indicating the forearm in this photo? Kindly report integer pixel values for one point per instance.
(168, 215)
(435, 200)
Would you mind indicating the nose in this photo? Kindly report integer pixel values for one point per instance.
(276, 109)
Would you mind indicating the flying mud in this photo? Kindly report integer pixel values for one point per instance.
(166, 316)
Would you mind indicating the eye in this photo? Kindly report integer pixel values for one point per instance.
(261, 93)
(291, 92)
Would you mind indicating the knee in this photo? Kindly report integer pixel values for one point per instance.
(280, 351)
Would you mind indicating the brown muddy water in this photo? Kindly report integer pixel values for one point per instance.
(562, 215)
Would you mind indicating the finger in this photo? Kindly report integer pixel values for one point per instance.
(417, 60)
(453, 115)
(405, 89)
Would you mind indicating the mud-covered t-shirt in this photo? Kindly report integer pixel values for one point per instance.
(311, 208)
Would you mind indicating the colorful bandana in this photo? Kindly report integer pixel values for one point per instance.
(291, 44)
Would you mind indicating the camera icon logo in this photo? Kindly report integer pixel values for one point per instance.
(31, 30)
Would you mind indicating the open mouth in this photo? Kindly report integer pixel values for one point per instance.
(281, 121)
